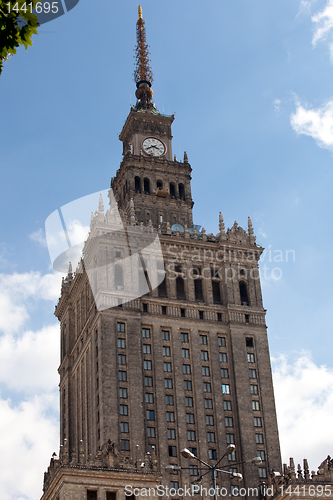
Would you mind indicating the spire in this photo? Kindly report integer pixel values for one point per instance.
(143, 75)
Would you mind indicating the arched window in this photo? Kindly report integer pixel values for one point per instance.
(198, 289)
(180, 288)
(146, 186)
(137, 185)
(162, 289)
(118, 276)
(244, 296)
(159, 184)
(172, 190)
(181, 192)
(216, 292)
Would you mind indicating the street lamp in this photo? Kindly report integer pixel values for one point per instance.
(213, 469)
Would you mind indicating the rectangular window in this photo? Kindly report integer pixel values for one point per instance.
(122, 376)
(146, 333)
(194, 470)
(175, 472)
(122, 359)
(229, 422)
(166, 351)
(209, 420)
(204, 355)
(227, 405)
(91, 494)
(191, 435)
(124, 444)
(122, 392)
(198, 290)
(221, 341)
(249, 342)
(225, 389)
(257, 422)
(187, 385)
(205, 371)
(184, 337)
(259, 438)
(146, 349)
(223, 357)
(203, 339)
(201, 315)
(250, 357)
(212, 454)
(262, 472)
(121, 343)
(188, 402)
(216, 292)
(208, 404)
(165, 335)
(172, 451)
(224, 373)
(174, 485)
(207, 387)
(194, 451)
(167, 367)
(261, 454)
(169, 399)
(182, 313)
(121, 327)
(150, 415)
(185, 353)
(149, 398)
(190, 418)
(164, 309)
(147, 364)
(230, 439)
(232, 457)
(171, 433)
(255, 405)
(151, 432)
(219, 317)
(252, 373)
(236, 488)
(124, 427)
(211, 437)
(170, 416)
(254, 389)
(187, 369)
(149, 381)
(168, 383)
(123, 410)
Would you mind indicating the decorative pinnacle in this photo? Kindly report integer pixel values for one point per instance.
(143, 75)
(140, 12)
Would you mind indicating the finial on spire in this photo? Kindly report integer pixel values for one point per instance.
(140, 12)
(143, 75)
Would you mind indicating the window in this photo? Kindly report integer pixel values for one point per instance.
(223, 357)
(229, 421)
(147, 364)
(207, 387)
(225, 389)
(211, 437)
(180, 288)
(122, 392)
(165, 335)
(257, 422)
(252, 373)
(166, 351)
(209, 420)
(219, 317)
(184, 337)
(230, 438)
(216, 292)
(190, 418)
(182, 313)
(232, 457)
(205, 371)
(259, 438)
(122, 376)
(91, 494)
(124, 444)
(162, 292)
(146, 349)
(123, 410)
(121, 327)
(222, 342)
(111, 495)
(150, 414)
(234, 471)
(171, 433)
(208, 404)
(201, 315)
(172, 451)
(204, 355)
(169, 399)
(227, 405)
(185, 353)
(194, 470)
(198, 290)
(168, 383)
(174, 485)
(144, 306)
(175, 472)
(181, 190)
(187, 369)
(137, 181)
(118, 276)
(167, 367)
(254, 389)
(188, 402)
(194, 451)
(224, 373)
(244, 297)
(212, 454)
(149, 381)
(151, 432)
(261, 454)
(187, 385)
(122, 359)
(146, 186)
(191, 435)
(250, 357)
(255, 405)
(149, 398)
(203, 339)
(146, 333)
(249, 342)
(124, 427)
(121, 343)
(262, 472)
(170, 416)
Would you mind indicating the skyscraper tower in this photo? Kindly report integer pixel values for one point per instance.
(186, 365)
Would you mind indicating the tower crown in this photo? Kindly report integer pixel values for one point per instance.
(143, 75)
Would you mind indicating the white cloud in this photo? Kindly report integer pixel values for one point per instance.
(324, 25)
(304, 401)
(317, 123)
(39, 236)
(277, 105)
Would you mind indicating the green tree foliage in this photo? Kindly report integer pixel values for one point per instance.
(17, 25)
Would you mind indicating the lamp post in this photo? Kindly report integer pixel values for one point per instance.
(213, 469)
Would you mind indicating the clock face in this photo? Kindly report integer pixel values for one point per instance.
(153, 146)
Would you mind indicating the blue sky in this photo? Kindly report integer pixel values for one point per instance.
(249, 82)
